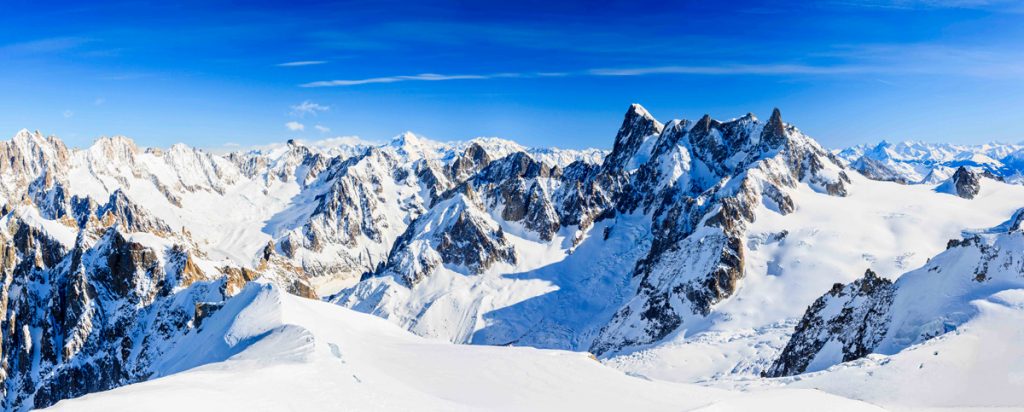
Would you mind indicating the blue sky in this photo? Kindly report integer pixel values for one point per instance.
(210, 73)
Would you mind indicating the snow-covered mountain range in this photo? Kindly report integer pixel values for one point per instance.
(921, 162)
(729, 253)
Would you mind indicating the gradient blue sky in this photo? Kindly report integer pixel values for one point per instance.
(210, 73)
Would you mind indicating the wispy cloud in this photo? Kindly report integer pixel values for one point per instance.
(302, 63)
(49, 45)
(432, 77)
(736, 69)
(322, 129)
(126, 76)
(99, 101)
(68, 114)
(875, 59)
(295, 126)
(768, 70)
(308, 107)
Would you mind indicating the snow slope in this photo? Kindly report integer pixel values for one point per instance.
(978, 366)
(267, 350)
(887, 227)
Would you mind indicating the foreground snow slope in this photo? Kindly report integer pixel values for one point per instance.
(273, 351)
(980, 365)
(976, 367)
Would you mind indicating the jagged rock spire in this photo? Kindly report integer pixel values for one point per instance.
(774, 133)
(636, 125)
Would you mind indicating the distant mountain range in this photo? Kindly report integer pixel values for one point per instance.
(920, 162)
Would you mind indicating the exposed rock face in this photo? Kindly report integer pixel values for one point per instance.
(130, 217)
(109, 295)
(696, 257)
(637, 125)
(853, 317)
(698, 185)
(132, 271)
(460, 239)
(966, 183)
(874, 315)
(468, 163)
(471, 243)
(29, 156)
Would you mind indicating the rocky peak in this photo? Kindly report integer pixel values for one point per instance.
(413, 147)
(472, 243)
(966, 183)
(714, 144)
(29, 153)
(774, 132)
(121, 211)
(456, 233)
(35, 140)
(855, 316)
(671, 136)
(471, 160)
(115, 148)
(637, 125)
(516, 165)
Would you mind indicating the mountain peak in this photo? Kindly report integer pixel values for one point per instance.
(24, 135)
(639, 110)
(774, 133)
(413, 146)
(120, 142)
(407, 138)
(636, 126)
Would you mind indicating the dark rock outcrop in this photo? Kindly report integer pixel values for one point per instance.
(855, 317)
(637, 125)
(966, 183)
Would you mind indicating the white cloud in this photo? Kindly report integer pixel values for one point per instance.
(417, 77)
(758, 69)
(68, 113)
(864, 59)
(322, 129)
(295, 126)
(308, 107)
(302, 63)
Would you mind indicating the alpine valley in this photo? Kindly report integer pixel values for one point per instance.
(699, 264)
